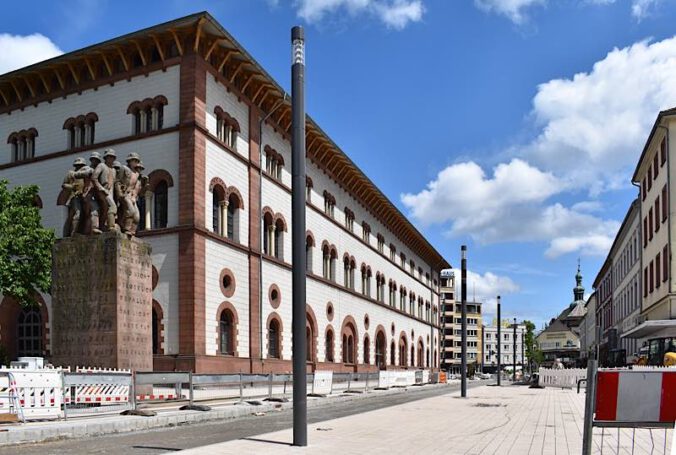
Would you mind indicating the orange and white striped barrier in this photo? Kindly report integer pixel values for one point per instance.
(636, 396)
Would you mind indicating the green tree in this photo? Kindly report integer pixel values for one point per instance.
(25, 246)
(531, 345)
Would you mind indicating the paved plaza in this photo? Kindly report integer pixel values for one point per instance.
(505, 420)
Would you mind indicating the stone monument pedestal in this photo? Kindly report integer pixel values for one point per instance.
(102, 302)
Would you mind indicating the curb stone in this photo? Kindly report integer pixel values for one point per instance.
(111, 424)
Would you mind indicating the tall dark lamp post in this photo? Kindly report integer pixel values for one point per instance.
(463, 304)
(523, 367)
(298, 237)
(514, 352)
(499, 343)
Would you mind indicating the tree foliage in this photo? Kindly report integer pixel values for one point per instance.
(531, 347)
(25, 246)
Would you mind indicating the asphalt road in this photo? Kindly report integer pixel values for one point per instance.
(188, 436)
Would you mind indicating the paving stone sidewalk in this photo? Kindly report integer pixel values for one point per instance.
(504, 420)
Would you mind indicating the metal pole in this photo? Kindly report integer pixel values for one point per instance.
(298, 237)
(499, 343)
(523, 365)
(514, 353)
(463, 304)
(588, 408)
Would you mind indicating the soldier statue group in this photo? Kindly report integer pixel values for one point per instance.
(102, 196)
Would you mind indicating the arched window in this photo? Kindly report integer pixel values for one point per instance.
(308, 342)
(349, 352)
(23, 144)
(161, 205)
(29, 336)
(155, 332)
(392, 353)
(227, 128)
(412, 355)
(234, 206)
(226, 333)
(273, 340)
(309, 244)
(279, 239)
(403, 351)
(381, 344)
(329, 346)
(216, 211)
(268, 234)
(367, 350)
(147, 115)
(326, 261)
(348, 276)
(420, 353)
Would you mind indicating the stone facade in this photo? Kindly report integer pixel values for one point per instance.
(210, 197)
(102, 302)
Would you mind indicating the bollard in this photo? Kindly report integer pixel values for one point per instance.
(241, 388)
(190, 392)
(349, 381)
(313, 384)
(366, 385)
(270, 385)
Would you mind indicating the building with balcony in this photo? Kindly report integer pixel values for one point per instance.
(508, 342)
(213, 130)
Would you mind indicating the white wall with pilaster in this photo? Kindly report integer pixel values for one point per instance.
(165, 259)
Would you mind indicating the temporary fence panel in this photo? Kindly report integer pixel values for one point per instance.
(322, 382)
(636, 397)
(39, 392)
(163, 385)
(387, 379)
(94, 391)
(9, 398)
(566, 378)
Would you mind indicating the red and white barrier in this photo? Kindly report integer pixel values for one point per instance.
(636, 396)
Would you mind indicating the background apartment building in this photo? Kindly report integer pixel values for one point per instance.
(507, 343)
(191, 101)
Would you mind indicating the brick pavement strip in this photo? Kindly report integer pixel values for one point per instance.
(506, 420)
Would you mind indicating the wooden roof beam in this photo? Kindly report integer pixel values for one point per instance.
(237, 70)
(59, 78)
(198, 33)
(16, 90)
(28, 84)
(46, 85)
(92, 73)
(124, 59)
(140, 52)
(258, 92)
(177, 41)
(158, 46)
(248, 81)
(76, 78)
(212, 47)
(226, 57)
(106, 63)
(4, 97)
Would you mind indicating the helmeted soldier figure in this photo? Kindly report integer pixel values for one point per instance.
(74, 186)
(128, 186)
(104, 180)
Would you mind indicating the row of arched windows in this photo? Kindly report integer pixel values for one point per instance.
(147, 115)
(22, 144)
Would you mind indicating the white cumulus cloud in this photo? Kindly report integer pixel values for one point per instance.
(602, 117)
(396, 14)
(513, 9)
(641, 9)
(23, 50)
(511, 205)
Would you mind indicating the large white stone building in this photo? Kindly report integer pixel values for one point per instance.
(213, 130)
(507, 341)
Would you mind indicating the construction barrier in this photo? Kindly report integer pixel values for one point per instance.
(322, 382)
(564, 378)
(38, 392)
(389, 378)
(636, 397)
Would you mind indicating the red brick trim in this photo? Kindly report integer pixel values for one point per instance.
(235, 332)
(310, 235)
(312, 323)
(232, 191)
(274, 316)
(157, 176)
(274, 302)
(330, 313)
(218, 184)
(160, 325)
(228, 291)
(155, 277)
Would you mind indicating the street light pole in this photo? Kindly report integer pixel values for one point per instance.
(298, 341)
(463, 305)
(514, 353)
(499, 343)
(523, 365)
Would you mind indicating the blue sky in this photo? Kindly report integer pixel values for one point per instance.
(510, 125)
